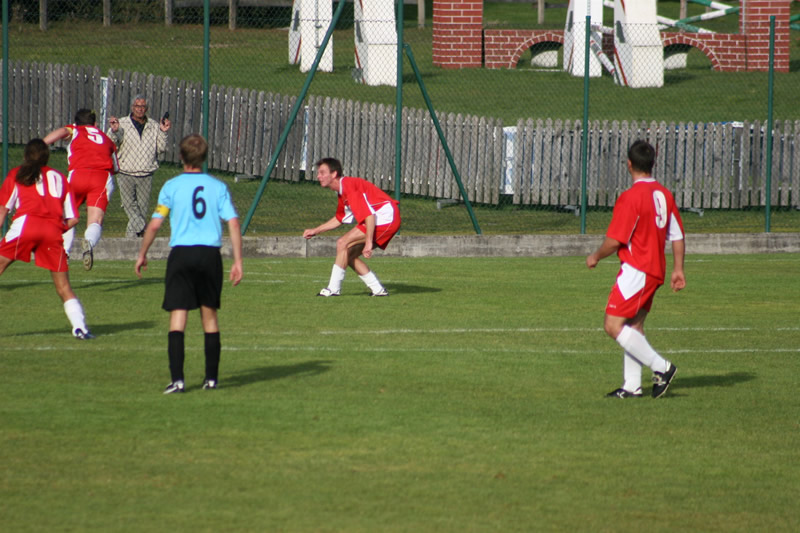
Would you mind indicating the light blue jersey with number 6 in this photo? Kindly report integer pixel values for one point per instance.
(196, 204)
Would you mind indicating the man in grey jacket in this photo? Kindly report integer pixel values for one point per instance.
(140, 142)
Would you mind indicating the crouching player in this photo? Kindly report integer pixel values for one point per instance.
(196, 204)
(376, 215)
(43, 210)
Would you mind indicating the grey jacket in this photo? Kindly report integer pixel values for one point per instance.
(138, 155)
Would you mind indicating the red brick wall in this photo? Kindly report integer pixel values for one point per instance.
(754, 24)
(503, 48)
(458, 37)
(749, 49)
(457, 33)
(725, 50)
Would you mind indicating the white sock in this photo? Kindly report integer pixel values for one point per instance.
(631, 372)
(68, 237)
(372, 281)
(337, 276)
(93, 233)
(637, 346)
(74, 311)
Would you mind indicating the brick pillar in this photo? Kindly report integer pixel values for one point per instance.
(754, 24)
(457, 33)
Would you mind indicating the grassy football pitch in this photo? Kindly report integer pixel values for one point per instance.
(471, 399)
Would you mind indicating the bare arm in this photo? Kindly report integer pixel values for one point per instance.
(333, 223)
(114, 132)
(56, 135)
(3, 214)
(149, 236)
(369, 222)
(236, 244)
(70, 223)
(678, 280)
(161, 137)
(609, 246)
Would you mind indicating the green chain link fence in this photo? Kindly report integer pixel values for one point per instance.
(513, 122)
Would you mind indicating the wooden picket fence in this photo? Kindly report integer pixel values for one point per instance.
(44, 96)
(534, 163)
(362, 135)
(704, 165)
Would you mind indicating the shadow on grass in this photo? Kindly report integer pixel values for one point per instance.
(270, 373)
(110, 329)
(720, 380)
(99, 330)
(403, 288)
(81, 284)
(117, 285)
(24, 284)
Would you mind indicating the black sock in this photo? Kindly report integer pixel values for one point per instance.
(213, 348)
(175, 350)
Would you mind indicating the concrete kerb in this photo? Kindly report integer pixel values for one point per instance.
(457, 246)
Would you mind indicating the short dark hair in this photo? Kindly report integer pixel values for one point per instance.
(194, 150)
(642, 156)
(85, 117)
(334, 165)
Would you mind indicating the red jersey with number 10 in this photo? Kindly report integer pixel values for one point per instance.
(49, 198)
(91, 149)
(645, 217)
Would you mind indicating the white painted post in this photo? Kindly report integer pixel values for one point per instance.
(375, 34)
(294, 34)
(639, 56)
(575, 36)
(315, 17)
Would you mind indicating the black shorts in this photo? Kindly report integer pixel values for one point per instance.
(194, 278)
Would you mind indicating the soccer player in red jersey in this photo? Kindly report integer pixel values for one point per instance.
(376, 215)
(43, 210)
(645, 217)
(92, 158)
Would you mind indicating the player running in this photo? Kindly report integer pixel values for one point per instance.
(376, 215)
(92, 158)
(43, 210)
(645, 217)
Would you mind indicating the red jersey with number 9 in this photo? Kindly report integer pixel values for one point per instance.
(91, 149)
(645, 217)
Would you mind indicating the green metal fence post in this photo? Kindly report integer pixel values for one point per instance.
(441, 137)
(293, 115)
(206, 69)
(585, 128)
(5, 98)
(398, 113)
(770, 95)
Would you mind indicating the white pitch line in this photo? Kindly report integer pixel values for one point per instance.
(81, 282)
(354, 349)
(507, 330)
(410, 331)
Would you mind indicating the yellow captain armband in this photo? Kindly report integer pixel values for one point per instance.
(162, 210)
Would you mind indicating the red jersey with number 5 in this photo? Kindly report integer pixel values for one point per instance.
(91, 149)
(645, 217)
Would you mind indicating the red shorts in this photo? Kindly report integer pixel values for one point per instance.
(384, 233)
(39, 236)
(91, 186)
(634, 290)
